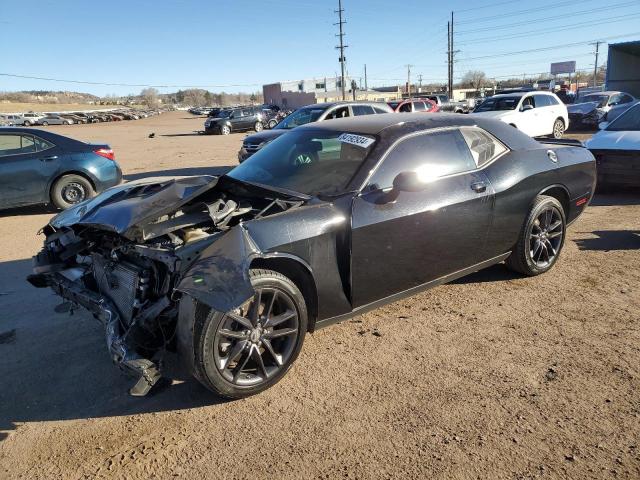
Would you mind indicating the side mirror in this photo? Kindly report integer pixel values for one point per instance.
(526, 107)
(408, 182)
(603, 125)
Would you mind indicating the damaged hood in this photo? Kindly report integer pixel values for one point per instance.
(582, 108)
(134, 203)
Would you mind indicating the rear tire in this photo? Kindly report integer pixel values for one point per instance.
(272, 123)
(236, 359)
(541, 238)
(558, 128)
(70, 190)
(258, 127)
(45, 124)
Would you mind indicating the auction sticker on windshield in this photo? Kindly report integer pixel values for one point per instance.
(358, 140)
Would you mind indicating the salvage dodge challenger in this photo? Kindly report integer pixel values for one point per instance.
(326, 222)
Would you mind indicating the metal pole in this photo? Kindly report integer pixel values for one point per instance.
(595, 66)
(449, 58)
(366, 87)
(341, 47)
(452, 51)
(409, 80)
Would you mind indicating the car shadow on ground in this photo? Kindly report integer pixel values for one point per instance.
(56, 366)
(609, 199)
(31, 210)
(495, 273)
(607, 240)
(178, 172)
(195, 133)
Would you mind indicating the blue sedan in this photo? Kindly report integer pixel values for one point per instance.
(40, 167)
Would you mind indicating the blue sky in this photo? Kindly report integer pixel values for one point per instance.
(237, 45)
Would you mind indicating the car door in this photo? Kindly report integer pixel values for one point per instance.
(341, 111)
(237, 120)
(359, 110)
(528, 120)
(27, 163)
(544, 114)
(418, 236)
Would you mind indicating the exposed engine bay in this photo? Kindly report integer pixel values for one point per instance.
(128, 278)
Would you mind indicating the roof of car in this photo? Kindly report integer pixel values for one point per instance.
(404, 123)
(520, 93)
(322, 106)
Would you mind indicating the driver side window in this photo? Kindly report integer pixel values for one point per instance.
(431, 155)
(341, 112)
(528, 101)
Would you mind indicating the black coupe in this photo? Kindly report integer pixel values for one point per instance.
(326, 222)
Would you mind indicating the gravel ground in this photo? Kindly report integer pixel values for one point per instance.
(493, 376)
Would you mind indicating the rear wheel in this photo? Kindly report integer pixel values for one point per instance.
(45, 123)
(70, 190)
(26, 123)
(247, 350)
(258, 126)
(272, 123)
(541, 239)
(558, 128)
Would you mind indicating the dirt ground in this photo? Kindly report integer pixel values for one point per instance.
(493, 376)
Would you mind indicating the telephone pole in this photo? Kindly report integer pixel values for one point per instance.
(595, 65)
(420, 83)
(449, 58)
(342, 46)
(451, 64)
(365, 77)
(409, 80)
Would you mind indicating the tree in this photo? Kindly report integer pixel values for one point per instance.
(475, 79)
(149, 97)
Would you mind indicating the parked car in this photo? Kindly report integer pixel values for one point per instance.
(31, 118)
(74, 118)
(617, 150)
(617, 110)
(13, 119)
(40, 167)
(326, 222)
(311, 113)
(536, 113)
(53, 119)
(235, 120)
(445, 104)
(414, 105)
(593, 108)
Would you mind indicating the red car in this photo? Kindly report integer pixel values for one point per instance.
(414, 105)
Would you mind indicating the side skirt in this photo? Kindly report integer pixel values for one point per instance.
(412, 291)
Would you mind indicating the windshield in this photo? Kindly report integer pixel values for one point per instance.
(300, 117)
(628, 121)
(601, 99)
(307, 161)
(496, 104)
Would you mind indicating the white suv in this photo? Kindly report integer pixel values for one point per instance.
(30, 119)
(535, 113)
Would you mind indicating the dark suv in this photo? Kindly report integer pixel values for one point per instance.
(235, 120)
(311, 113)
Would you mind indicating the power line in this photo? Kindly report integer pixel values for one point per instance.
(551, 29)
(553, 5)
(485, 6)
(86, 82)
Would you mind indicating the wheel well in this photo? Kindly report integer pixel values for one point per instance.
(560, 194)
(561, 119)
(299, 275)
(81, 174)
(513, 125)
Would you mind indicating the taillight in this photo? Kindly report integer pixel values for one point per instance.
(106, 153)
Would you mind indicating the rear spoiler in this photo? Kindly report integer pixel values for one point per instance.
(562, 141)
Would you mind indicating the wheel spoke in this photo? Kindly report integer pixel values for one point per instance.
(234, 353)
(536, 248)
(555, 225)
(238, 370)
(245, 322)
(285, 332)
(269, 347)
(258, 359)
(254, 311)
(555, 234)
(269, 308)
(233, 334)
(278, 319)
(551, 249)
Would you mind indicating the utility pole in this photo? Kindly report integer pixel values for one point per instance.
(420, 83)
(366, 87)
(449, 58)
(409, 80)
(595, 65)
(342, 46)
(451, 64)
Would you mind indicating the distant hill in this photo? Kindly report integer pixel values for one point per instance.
(48, 96)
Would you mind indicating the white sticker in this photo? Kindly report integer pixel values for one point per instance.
(358, 140)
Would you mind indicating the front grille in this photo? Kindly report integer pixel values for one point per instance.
(117, 282)
(252, 147)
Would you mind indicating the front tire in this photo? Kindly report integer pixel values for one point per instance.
(541, 238)
(258, 127)
(70, 190)
(558, 128)
(272, 123)
(249, 349)
(225, 130)
(45, 124)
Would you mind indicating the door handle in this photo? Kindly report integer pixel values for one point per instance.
(48, 159)
(479, 187)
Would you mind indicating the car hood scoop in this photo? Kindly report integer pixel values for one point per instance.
(134, 203)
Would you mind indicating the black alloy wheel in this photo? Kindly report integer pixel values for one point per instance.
(541, 238)
(244, 351)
